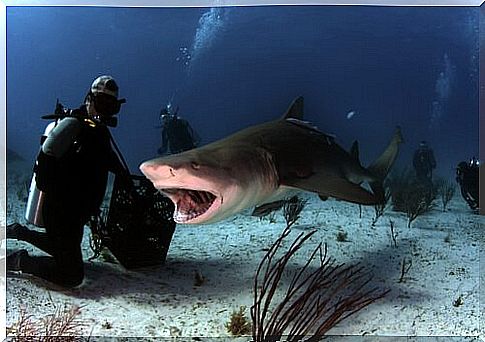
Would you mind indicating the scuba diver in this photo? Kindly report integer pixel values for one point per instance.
(177, 134)
(72, 172)
(467, 176)
(424, 163)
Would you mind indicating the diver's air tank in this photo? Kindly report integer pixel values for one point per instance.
(35, 202)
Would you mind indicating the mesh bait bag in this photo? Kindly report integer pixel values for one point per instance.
(139, 224)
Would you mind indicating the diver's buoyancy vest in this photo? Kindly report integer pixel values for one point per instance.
(85, 168)
(78, 179)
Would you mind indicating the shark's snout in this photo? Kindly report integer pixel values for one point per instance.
(148, 168)
(156, 172)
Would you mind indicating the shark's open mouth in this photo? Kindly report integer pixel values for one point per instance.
(189, 204)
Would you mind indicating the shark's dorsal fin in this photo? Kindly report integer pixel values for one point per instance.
(309, 126)
(295, 110)
(305, 124)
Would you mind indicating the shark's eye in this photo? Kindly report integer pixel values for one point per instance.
(195, 166)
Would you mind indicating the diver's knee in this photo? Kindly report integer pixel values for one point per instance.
(73, 278)
(72, 282)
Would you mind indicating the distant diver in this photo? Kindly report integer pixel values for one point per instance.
(177, 134)
(71, 171)
(424, 163)
(263, 164)
(467, 176)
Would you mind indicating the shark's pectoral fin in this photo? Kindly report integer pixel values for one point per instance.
(267, 208)
(337, 187)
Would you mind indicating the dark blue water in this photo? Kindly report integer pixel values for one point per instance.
(414, 67)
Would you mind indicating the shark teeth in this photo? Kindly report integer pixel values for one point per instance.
(190, 204)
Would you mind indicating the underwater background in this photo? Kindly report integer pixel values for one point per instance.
(362, 70)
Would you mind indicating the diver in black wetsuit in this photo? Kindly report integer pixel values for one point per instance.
(72, 170)
(177, 134)
(467, 176)
(424, 163)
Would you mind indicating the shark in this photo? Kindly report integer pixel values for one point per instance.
(265, 163)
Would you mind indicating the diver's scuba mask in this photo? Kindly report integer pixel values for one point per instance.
(167, 114)
(107, 107)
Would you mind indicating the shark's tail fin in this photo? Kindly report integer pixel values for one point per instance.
(381, 166)
(295, 110)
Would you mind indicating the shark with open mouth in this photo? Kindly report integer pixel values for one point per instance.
(265, 163)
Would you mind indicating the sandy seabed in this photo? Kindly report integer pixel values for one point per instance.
(165, 301)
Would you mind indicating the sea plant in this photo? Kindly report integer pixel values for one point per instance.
(458, 301)
(417, 202)
(62, 325)
(199, 279)
(397, 183)
(405, 267)
(342, 236)
(393, 233)
(446, 191)
(23, 189)
(380, 208)
(410, 196)
(239, 324)
(315, 300)
(292, 209)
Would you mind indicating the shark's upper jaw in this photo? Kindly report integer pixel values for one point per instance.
(192, 206)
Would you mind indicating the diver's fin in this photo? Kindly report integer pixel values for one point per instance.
(295, 110)
(381, 166)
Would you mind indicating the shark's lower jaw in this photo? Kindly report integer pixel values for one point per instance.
(189, 204)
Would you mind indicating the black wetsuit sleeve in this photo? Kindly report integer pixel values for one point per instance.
(194, 135)
(115, 164)
(164, 147)
(117, 167)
